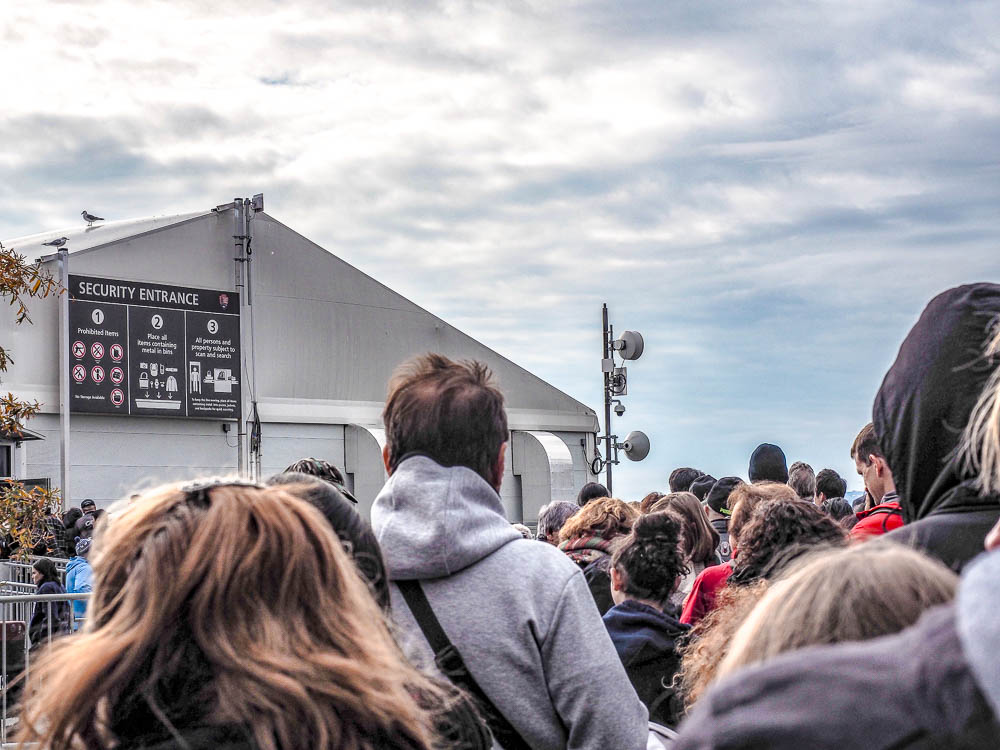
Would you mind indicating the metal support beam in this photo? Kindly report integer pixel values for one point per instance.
(240, 261)
(64, 464)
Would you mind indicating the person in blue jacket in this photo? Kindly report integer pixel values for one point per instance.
(79, 578)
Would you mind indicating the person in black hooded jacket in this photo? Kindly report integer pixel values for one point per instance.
(920, 411)
(645, 569)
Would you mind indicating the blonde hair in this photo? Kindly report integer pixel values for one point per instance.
(980, 446)
(233, 606)
(850, 594)
(606, 516)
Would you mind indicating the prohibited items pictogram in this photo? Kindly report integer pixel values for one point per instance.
(116, 352)
(79, 349)
(79, 373)
(117, 396)
(97, 350)
(97, 373)
(117, 375)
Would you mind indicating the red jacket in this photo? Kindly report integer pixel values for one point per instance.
(881, 519)
(705, 588)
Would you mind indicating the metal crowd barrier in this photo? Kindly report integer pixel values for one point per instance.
(17, 605)
(20, 571)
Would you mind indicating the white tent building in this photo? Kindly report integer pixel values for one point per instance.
(187, 339)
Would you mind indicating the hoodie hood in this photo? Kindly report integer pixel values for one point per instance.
(432, 521)
(642, 633)
(927, 397)
(978, 629)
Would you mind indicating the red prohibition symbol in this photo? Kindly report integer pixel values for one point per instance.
(79, 349)
(116, 352)
(79, 373)
(97, 350)
(97, 373)
(117, 375)
(117, 396)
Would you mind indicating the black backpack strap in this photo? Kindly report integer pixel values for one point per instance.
(452, 665)
(888, 513)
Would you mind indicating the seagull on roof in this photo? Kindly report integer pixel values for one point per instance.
(56, 243)
(90, 218)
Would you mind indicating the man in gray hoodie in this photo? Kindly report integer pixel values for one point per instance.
(519, 612)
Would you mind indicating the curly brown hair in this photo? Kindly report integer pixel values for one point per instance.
(709, 640)
(745, 498)
(778, 532)
(606, 517)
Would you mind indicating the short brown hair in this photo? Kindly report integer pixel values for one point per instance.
(865, 445)
(450, 411)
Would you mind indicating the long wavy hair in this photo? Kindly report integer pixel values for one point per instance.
(711, 638)
(226, 605)
(698, 539)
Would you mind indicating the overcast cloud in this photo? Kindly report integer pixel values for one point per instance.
(770, 192)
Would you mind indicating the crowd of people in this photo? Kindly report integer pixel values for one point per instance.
(764, 612)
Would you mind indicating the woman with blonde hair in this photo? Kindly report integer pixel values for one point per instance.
(226, 615)
(587, 538)
(832, 596)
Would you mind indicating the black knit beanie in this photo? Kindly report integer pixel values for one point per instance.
(767, 464)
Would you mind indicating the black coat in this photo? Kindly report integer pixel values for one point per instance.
(41, 627)
(920, 411)
(909, 691)
(598, 575)
(647, 641)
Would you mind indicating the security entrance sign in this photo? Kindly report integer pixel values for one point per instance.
(152, 349)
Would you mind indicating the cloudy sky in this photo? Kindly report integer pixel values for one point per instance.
(770, 191)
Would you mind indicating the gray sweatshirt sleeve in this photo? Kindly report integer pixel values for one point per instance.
(590, 691)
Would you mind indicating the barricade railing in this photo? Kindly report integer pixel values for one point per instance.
(27, 623)
(19, 571)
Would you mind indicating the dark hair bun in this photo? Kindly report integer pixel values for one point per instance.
(658, 525)
(650, 557)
